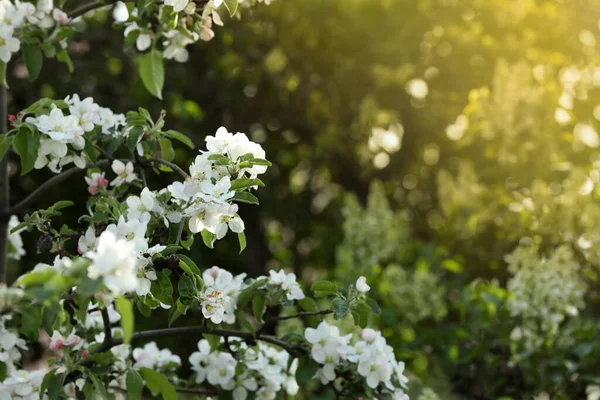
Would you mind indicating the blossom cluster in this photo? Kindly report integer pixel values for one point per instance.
(183, 22)
(63, 130)
(17, 15)
(546, 291)
(372, 357)
(10, 343)
(262, 369)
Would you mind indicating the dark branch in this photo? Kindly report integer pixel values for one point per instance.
(4, 187)
(273, 321)
(84, 8)
(186, 330)
(49, 185)
(107, 328)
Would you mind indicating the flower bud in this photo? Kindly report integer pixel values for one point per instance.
(190, 8)
(120, 12)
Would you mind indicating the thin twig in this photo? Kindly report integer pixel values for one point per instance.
(174, 167)
(4, 187)
(50, 184)
(180, 231)
(273, 321)
(196, 390)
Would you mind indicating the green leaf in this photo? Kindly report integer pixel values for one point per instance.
(3, 75)
(242, 320)
(307, 368)
(373, 306)
(219, 159)
(340, 307)
(244, 183)
(48, 318)
(52, 384)
(259, 306)
(190, 264)
(208, 238)
(324, 288)
(59, 205)
(125, 308)
(152, 72)
(27, 145)
(64, 57)
(180, 137)
(247, 294)
(5, 143)
(34, 59)
(245, 197)
(36, 278)
(99, 387)
(242, 240)
(452, 266)
(134, 137)
(186, 286)
(166, 149)
(360, 313)
(31, 322)
(232, 6)
(260, 161)
(158, 383)
(135, 385)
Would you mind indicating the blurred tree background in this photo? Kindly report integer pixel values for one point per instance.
(446, 149)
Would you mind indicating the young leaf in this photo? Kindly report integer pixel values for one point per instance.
(180, 137)
(158, 383)
(340, 307)
(152, 72)
(27, 145)
(231, 5)
(166, 149)
(245, 197)
(308, 304)
(324, 288)
(125, 308)
(135, 384)
(259, 306)
(33, 59)
(360, 313)
(208, 238)
(242, 240)
(373, 306)
(248, 293)
(190, 263)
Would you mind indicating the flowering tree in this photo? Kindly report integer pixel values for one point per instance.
(128, 251)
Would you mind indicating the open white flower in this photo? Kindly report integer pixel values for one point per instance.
(8, 43)
(124, 173)
(114, 261)
(15, 240)
(222, 369)
(288, 283)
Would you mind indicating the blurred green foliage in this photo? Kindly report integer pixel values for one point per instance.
(478, 119)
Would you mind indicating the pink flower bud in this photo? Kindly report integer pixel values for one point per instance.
(56, 344)
(85, 353)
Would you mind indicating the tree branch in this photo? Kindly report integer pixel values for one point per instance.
(4, 188)
(84, 8)
(107, 328)
(186, 330)
(48, 185)
(273, 321)
(174, 167)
